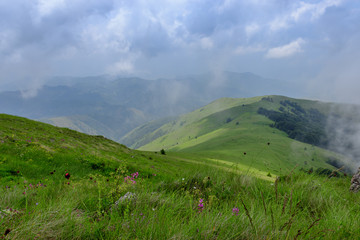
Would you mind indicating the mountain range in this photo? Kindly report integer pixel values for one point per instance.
(113, 106)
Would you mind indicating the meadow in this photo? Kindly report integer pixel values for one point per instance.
(117, 193)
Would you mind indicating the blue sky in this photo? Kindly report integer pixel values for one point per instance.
(315, 43)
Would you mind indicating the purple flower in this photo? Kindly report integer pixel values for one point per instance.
(135, 175)
(235, 211)
(200, 205)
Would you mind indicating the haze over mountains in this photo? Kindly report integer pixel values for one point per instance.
(112, 106)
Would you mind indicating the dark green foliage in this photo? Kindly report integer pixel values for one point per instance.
(334, 162)
(269, 99)
(323, 172)
(305, 126)
(162, 151)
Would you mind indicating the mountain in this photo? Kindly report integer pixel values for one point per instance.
(113, 106)
(253, 130)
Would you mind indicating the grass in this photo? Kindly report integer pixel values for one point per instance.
(236, 129)
(38, 202)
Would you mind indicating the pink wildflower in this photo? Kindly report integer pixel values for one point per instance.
(235, 211)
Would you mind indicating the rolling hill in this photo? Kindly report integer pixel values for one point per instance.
(269, 133)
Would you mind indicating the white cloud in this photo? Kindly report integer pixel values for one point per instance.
(46, 7)
(251, 29)
(206, 43)
(278, 24)
(286, 50)
(313, 10)
(303, 12)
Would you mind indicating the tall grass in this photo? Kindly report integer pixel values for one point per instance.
(302, 206)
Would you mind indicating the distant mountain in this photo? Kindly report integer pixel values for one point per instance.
(113, 106)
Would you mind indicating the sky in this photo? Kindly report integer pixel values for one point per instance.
(314, 43)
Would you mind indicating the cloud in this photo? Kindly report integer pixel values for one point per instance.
(121, 67)
(314, 10)
(46, 7)
(248, 49)
(286, 50)
(163, 38)
(206, 43)
(251, 29)
(302, 11)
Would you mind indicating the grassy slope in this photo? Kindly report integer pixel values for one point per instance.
(35, 204)
(214, 137)
(149, 132)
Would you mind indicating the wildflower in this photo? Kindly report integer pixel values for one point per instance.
(200, 205)
(235, 211)
(135, 175)
(183, 179)
(68, 183)
(51, 173)
(154, 174)
(36, 203)
(67, 175)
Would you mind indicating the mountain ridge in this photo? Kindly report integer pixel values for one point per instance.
(134, 100)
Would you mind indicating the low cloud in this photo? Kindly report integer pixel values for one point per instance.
(286, 50)
(121, 67)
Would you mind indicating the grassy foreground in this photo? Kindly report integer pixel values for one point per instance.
(169, 198)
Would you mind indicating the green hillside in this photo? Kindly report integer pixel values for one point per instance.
(147, 133)
(56, 183)
(234, 131)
